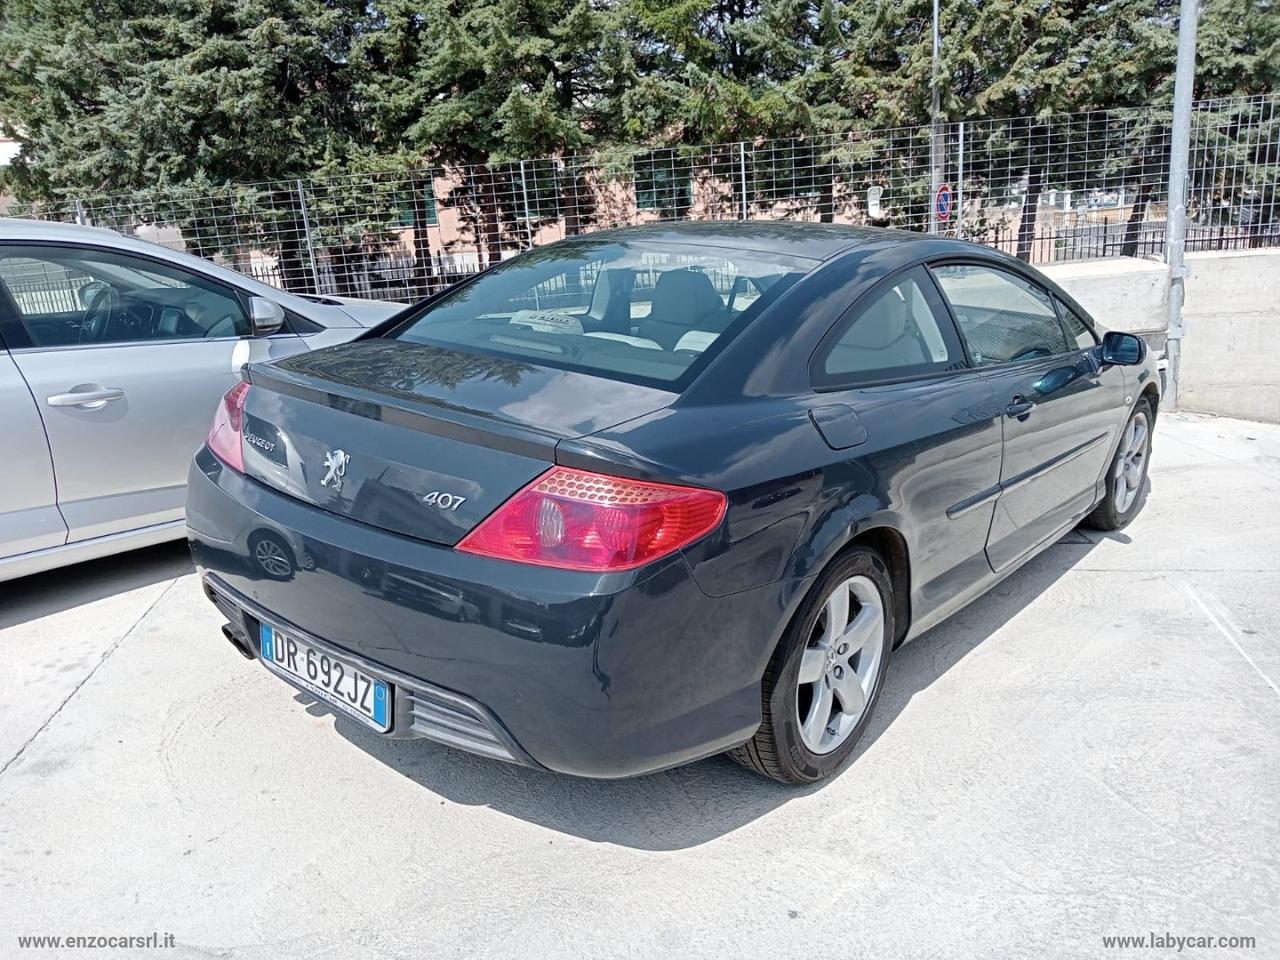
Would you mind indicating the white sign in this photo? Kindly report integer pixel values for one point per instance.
(873, 200)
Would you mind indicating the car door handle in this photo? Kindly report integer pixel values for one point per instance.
(1020, 409)
(89, 399)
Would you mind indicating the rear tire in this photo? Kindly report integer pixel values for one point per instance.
(824, 680)
(1127, 475)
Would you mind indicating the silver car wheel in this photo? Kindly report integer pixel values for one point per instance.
(1131, 463)
(840, 665)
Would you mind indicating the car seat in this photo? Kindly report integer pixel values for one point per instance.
(683, 300)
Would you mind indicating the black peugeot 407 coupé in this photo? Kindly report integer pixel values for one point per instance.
(651, 494)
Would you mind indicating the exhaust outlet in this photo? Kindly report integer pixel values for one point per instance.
(235, 641)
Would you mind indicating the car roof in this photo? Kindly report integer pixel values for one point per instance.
(13, 228)
(813, 241)
(51, 231)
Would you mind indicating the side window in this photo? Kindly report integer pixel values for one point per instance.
(901, 331)
(1077, 329)
(65, 296)
(1001, 316)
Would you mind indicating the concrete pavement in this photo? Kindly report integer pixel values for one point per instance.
(1091, 749)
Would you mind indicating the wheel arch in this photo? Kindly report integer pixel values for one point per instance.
(880, 532)
(1151, 394)
(889, 543)
(767, 751)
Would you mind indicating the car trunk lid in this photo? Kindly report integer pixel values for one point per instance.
(418, 439)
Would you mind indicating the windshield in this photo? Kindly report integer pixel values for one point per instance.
(637, 311)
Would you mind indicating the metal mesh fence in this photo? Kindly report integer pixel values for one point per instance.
(1062, 187)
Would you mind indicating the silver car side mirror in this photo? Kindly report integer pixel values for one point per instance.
(267, 316)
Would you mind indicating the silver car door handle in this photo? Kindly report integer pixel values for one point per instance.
(85, 398)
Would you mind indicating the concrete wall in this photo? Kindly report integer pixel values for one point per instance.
(1231, 321)
(1123, 294)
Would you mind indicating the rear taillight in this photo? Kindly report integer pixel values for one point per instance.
(225, 435)
(588, 521)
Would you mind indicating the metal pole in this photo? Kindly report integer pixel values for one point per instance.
(1176, 222)
(528, 219)
(742, 171)
(81, 217)
(306, 227)
(935, 145)
(959, 211)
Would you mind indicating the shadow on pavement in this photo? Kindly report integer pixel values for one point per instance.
(694, 804)
(43, 594)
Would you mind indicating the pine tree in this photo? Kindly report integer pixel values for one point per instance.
(474, 84)
(133, 94)
(189, 96)
(715, 71)
(178, 100)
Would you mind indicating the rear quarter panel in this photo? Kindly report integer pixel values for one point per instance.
(794, 502)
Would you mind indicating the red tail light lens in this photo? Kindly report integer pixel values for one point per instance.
(225, 434)
(588, 521)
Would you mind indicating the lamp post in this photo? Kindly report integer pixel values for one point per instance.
(1176, 221)
(935, 126)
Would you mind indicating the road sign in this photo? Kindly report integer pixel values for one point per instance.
(942, 202)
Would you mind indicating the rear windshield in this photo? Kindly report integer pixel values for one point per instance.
(650, 313)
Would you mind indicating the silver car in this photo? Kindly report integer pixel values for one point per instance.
(113, 355)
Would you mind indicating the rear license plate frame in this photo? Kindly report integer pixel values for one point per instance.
(293, 657)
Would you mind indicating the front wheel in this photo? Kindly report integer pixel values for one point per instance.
(1127, 473)
(825, 678)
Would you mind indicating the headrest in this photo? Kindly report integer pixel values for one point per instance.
(684, 297)
(881, 325)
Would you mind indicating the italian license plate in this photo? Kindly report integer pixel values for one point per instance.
(337, 682)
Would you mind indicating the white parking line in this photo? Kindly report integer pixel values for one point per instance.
(1222, 620)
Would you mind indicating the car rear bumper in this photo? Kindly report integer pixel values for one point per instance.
(599, 676)
(419, 709)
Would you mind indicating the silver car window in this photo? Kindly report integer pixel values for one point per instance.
(66, 296)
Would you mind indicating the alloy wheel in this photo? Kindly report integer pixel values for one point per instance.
(1131, 463)
(840, 664)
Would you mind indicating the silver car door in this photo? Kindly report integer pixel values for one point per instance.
(29, 517)
(126, 358)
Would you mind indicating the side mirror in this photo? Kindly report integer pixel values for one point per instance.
(1124, 349)
(266, 315)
